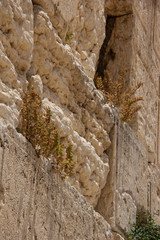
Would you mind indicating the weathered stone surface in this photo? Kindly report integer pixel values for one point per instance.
(17, 32)
(153, 190)
(118, 7)
(35, 203)
(60, 78)
(126, 186)
(36, 82)
(16, 45)
(75, 103)
(134, 47)
(54, 46)
(85, 24)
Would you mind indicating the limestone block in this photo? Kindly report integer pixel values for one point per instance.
(146, 70)
(129, 144)
(153, 191)
(84, 24)
(38, 203)
(91, 171)
(126, 186)
(126, 211)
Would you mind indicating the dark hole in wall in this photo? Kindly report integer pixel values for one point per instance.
(158, 192)
(105, 57)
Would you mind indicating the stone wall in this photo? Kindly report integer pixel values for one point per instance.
(55, 45)
(35, 50)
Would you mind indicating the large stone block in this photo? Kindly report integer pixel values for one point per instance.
(36, 203)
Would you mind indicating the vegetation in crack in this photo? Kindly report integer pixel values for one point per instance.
(115, 90)
(116, 94)
(39, 129)
(68, 37)
(144, 228)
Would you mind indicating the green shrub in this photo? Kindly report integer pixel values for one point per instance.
(144, 228)
(39, 129)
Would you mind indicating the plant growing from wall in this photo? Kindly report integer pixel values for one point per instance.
(119, 97)
(144, 228)
(39, 129)
(68, 37)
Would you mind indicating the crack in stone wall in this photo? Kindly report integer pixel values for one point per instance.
(105, 56)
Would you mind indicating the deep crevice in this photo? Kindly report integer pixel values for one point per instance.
(104, 57)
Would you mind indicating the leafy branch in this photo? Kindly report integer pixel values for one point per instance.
(144, 228)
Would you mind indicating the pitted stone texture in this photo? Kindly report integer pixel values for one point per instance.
(9, 103)
(84, 23)
(59, 76)
(16, 45)
(17, 32)
(37, 204)
(36, 82)
(91, 169)
(118, 7)
(78, 108)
